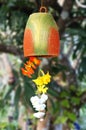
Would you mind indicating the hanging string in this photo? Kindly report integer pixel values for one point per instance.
(43, 8)
(42, 2)
(80, 5)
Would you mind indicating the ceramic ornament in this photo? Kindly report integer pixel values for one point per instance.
(41, 36)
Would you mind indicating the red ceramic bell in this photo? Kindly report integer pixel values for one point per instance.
(41, 36)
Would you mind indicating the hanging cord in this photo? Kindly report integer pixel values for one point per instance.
(42, 2)
(43, 8)
(80, 5)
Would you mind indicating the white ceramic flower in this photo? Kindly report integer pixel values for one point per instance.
(35, 100)
(39, 103)
(39, 114)
(40, 107)
(43, 98)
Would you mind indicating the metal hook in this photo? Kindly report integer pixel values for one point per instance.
(43, 9)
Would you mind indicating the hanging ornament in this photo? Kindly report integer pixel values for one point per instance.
(41, 36)
(41, 39)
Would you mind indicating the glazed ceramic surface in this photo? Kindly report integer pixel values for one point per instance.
(41, 37)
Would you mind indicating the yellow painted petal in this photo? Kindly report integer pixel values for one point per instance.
(46, 78)
(42, 89)
(38, 81)
(45, 90)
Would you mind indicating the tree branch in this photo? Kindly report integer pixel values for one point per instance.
(11, 49)
(64, 16)
(75, 19)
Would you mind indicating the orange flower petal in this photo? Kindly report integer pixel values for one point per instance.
(24, 71)
(30, 66)
(35, 61)
(29, 63)
(31, 58)
(30, 72)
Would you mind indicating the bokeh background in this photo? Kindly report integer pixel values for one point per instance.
(67, 90)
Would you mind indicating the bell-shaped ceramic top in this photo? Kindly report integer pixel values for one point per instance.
(41, 36)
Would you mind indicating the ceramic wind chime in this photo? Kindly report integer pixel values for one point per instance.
(41, 39)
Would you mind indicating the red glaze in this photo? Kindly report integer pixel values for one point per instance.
(28, 43)
(53, 43)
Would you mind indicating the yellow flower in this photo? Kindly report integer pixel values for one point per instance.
(42, 80)
(38, 81)
(42, 89)
(46, 78)
(45, 90)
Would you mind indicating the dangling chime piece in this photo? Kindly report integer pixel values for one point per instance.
(41, 37)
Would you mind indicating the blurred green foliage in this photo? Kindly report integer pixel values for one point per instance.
(66, 96)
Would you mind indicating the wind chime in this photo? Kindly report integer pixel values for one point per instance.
(41, 39)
